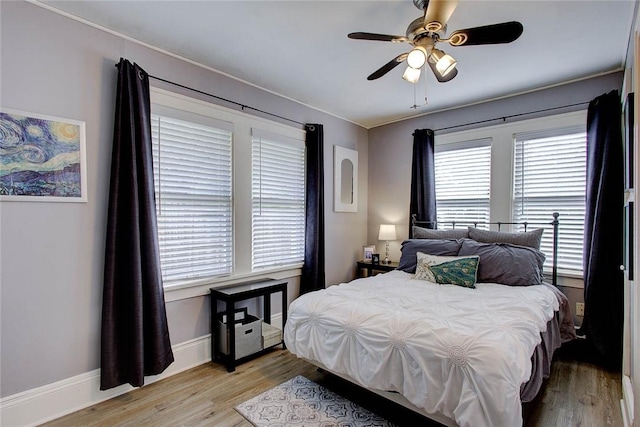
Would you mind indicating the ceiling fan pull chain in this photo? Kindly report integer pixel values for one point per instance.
(426, 101)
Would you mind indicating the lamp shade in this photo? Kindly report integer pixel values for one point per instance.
(412, 75)
(387, 232)
(417, 57)
(444, 63)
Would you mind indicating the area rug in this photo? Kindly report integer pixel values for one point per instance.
(302, 402)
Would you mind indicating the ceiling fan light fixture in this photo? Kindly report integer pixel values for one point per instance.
(443, 62)
(424, 32)
(446, 64)
(417, 57)
(412, 75)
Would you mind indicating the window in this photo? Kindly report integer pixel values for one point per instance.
(192, 174)
(531, 168)
(208, 181)
(550, 176)
(463, 173)
(278, 200)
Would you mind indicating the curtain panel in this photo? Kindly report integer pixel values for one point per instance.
(423, 179)
(135, 335)
(313, 275)
(603, 229)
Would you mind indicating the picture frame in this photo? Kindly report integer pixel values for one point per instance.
(44, 158)
(375, 259)
(368, 252)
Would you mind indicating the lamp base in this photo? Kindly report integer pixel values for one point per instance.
(386, 253)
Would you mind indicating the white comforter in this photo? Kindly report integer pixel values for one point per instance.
(462, 353)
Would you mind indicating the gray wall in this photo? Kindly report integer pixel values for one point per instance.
(390, 148)
(52, 253)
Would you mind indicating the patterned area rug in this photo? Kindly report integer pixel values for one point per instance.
(302, 402)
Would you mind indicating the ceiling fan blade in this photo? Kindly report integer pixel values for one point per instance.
(437, 13)
(388, 66)
(377, 37)
(505, 32)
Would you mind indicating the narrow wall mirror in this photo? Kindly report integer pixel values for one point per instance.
(345, 179)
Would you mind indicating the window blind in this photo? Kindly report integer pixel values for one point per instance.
(463, 181)
(192, 176)
(278, 200)
(550, 176)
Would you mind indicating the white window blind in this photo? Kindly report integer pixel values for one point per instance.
(278, 200)
(192, 174)
(463, 181)
(550, 174)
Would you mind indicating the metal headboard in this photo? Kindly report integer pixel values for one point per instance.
(465, 223)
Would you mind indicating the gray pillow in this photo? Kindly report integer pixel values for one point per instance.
(530, 238)
(410, 247)
(505, 263)
(428, 233)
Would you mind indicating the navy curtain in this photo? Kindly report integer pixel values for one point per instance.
(423, 178)
(135, 336)
(603, 230)
(313, 276)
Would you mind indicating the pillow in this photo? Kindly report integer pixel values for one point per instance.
(529, 238)
(447, 270)
(506, 263)
(410, 247)
(428, 233)
(424, 261)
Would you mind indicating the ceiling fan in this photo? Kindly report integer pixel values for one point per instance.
(428, 30)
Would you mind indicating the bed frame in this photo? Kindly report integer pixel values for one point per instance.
(465, 223)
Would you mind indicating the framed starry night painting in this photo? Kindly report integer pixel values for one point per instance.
(42, 158)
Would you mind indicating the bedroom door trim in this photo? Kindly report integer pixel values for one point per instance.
(630, 403)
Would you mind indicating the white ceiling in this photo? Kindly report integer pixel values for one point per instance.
(300, 49)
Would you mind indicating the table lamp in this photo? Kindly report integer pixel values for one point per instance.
(387, 232)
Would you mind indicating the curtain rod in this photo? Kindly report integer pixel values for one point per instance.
(504, 118)
(242, 106)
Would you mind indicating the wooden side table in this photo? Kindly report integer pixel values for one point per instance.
(370, 268)
(241, 292)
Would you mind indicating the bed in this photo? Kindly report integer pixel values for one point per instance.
(464, 354)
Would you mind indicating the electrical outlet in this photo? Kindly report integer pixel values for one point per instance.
(579, 309)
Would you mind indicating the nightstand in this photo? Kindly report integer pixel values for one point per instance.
(222, 331)
(370, 268)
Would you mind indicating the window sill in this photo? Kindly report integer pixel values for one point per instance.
(191, 289)
(570, 273)
(568, 279)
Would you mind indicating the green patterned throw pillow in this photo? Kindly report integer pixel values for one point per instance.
(461, 272)
(445, 270)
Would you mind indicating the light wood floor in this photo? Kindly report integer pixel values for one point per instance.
(578, 393)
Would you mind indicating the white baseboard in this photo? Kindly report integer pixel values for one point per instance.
(51, 401)
(627, 402)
